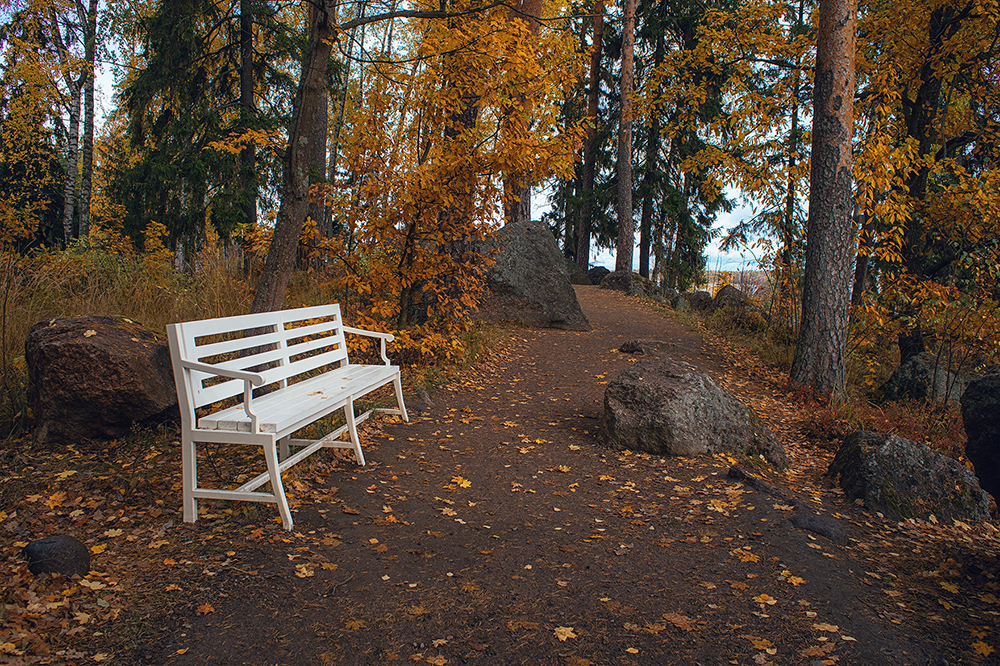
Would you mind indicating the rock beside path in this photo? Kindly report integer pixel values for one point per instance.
(529, 281)
(902, 479)
(93, 378)
(60, 554)
(665, 407)
(923, 377)
(981, 416)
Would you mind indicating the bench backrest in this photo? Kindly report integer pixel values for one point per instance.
(279, 345)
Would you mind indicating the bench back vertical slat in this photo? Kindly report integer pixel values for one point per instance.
(296, 344)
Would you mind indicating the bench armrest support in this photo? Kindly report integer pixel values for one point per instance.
(383, 337)
(250, 379)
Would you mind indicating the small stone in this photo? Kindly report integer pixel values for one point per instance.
(58, 554)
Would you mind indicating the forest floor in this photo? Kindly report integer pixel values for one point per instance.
(494, 528)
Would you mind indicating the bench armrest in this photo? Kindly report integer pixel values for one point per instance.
(250, 379)
(384, 337)
(255, 378)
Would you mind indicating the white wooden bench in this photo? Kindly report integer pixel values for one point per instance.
(301, 356)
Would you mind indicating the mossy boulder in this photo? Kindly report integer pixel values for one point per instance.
(902, 479)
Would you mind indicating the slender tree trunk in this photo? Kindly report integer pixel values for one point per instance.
(320, 125)
(584, 223)
(517, 185)
(72, 161)
(87, 175)
(819, 352)
(248, 156)
(652, 152)
(626, 223)
(294, 206)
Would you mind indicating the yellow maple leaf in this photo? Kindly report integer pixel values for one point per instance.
(99, 548)
(205, 609)
(563, 633)
(951, 587)
(464, 483)
(55, 499)
(823, 626)
(982, 648)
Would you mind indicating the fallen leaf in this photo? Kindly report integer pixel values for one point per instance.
(632, 650)
(982, 648)
(823, 626)
(99, 548)
(769, 600)
(437, 661)
(951, 587)
(173, 588)
(680, 621)
(205, 609)
(89, 333)
(562, 633)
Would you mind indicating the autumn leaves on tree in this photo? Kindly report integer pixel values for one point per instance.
(375, 145)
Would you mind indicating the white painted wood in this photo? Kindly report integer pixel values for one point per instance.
(302, 356)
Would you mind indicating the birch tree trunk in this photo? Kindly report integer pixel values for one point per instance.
(820, 350)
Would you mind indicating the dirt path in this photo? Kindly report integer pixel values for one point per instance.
(495, 529)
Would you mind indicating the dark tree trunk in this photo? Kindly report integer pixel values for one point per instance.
(590, 147)
(626, 223)
(294, 207)
(248, 157)
(651, 158)
(87, 172)
(819, 352)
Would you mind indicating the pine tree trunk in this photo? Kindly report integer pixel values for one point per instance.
(626, 223)
(294, 207)
(590, 147)
(820, 350)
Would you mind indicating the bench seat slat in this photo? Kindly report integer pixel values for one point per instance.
(278, 411)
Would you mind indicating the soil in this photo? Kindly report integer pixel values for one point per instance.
(494, 528)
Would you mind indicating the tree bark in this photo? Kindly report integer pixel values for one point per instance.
(652, 152)
(517, 187)
(590, 147)
(72, 160)
(626, 223)
(294, 206)
(87, 174)
(248, 156)
(820, 349)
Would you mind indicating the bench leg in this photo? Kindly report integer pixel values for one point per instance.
(283, 448)
(271, 454)
(352, 430)
(397, 382)
(189, 477)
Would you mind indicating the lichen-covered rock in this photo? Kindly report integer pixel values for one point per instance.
(631, 283)
(981, 416)
(529, 282)
(734, 304)
(666, 407)
(576, 274)
(596, 274)
(61, 554)
(923, 377)
(644, 347)
(903, 479)
(93, 378)
(692, 300)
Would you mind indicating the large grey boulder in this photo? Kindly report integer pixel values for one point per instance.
(735, 305)
(981, 416)
(529, 282)
(667, 407)
(902, 479)
(923, 377)
(93, 378)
